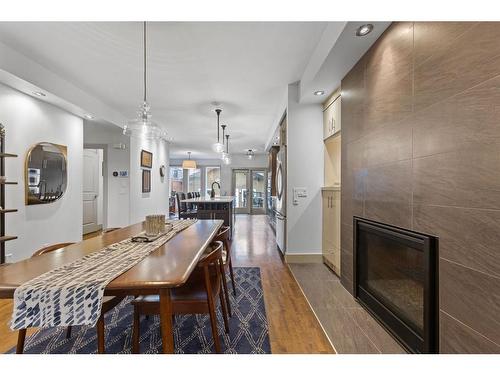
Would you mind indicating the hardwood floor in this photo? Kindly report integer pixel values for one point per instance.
(293, 327)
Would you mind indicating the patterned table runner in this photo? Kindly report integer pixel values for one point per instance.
(72, 294)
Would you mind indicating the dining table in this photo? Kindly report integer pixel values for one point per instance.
(167, 267)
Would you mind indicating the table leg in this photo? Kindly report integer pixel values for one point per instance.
(167, 333)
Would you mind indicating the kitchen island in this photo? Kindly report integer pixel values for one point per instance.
(218, 208)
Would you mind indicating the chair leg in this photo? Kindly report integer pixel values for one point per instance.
(68, 332)
(100, 335)
(226, 294)
(224, 311)
(232, 275)
(136, 332)
(213, 323)
(21, 336)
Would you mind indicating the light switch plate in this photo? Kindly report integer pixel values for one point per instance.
(299, 192)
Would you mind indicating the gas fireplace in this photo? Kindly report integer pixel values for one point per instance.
(396, 280)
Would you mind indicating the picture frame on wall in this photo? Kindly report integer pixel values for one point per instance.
(146, 159)
(146, 181)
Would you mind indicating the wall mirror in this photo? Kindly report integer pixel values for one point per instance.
(46, 175)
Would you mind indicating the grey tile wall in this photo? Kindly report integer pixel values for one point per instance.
(421, 149)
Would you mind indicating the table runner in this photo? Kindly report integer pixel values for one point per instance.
(72, 294)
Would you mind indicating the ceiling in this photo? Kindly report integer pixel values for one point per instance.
(246, 66)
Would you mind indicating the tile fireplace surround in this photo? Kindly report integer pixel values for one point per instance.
(421, 134)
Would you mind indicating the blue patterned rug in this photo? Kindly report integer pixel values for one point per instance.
(249, 331)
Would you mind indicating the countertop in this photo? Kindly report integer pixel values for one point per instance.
(331, 188)
(223, 199)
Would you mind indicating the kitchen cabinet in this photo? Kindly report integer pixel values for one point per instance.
(331, 116)
(331, 228)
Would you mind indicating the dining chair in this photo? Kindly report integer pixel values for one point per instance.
(197, 296)
(190, 206)
(183, 212)
(223, 236)
(108, 303)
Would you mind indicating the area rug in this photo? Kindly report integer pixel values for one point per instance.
(249, 331)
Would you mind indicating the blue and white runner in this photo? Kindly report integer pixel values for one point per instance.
(72, 294)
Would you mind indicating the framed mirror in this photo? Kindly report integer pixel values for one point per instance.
(46, 174)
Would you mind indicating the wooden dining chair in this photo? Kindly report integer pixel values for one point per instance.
(197, 296)
(108, 303)
(223, 236)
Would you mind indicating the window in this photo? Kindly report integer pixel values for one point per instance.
(212, 174)
(176, 180)
(194, 180)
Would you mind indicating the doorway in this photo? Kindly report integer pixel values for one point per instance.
(250, 190)
(93, 190)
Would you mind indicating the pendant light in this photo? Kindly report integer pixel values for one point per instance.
(218, 147)
(142, 126)
(224, 153)
(188, 163)
(250, 154)
(227, 159)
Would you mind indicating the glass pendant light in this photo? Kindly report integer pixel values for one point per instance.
(250, 154)
(227, 159)
(188, 163)
(218, 147)
(142, 126)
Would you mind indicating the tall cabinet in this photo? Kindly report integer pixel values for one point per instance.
(332, 183)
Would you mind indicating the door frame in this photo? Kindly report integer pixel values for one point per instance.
(250, 210)
(104, 148)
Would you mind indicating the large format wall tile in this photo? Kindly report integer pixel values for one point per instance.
(432, 37)
(388, 78)
(466, 236)
(423, 109)
(464, 179)
(388, 144)
(352, 113)
(471, 297)
(456, 337)
(472, 58)
(388, 194)
(467, 120)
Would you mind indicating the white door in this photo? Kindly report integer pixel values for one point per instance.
(90, 190)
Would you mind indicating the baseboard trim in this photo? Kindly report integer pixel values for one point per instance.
(304, 258)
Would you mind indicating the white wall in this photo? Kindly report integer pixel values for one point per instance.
(155, 202)
(304, 170)
(117, 209)
(237, 161)
(28, 121)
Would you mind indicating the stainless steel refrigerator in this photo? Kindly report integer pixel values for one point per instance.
(281, 200)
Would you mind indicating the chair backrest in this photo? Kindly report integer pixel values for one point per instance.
(213, 262)
(181, 207)
(223, 236)
(51, 248)
(189, 196)
(197, 194)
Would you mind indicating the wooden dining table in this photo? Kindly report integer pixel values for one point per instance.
(165, 268)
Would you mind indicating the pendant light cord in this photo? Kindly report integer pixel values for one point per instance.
(227, 143)
(145, 88)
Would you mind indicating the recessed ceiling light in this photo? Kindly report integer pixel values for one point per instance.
(89, 117)
(39, 93)
(319, 93)
(364, 29)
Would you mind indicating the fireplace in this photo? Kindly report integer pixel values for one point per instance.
(396, 280)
